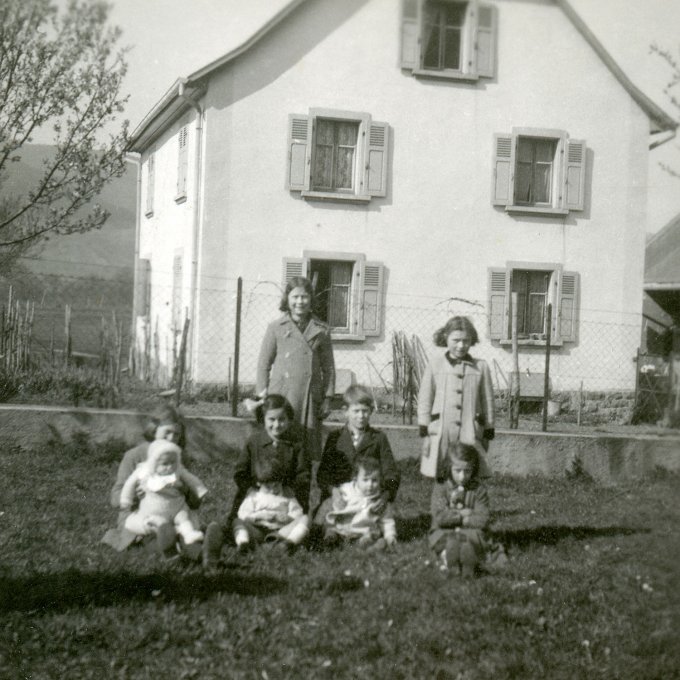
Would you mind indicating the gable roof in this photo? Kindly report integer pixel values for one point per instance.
(662, 258)
(175, 99)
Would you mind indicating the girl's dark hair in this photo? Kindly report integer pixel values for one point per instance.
(295, 282)
(456, 323)
(271, 402)
(467, 453)
(368, 464)
(165, 415)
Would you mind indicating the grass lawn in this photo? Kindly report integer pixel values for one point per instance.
(592, 589)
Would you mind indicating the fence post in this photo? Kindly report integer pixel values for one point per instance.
(182, 362)
(513, 407)
(546, 377)
(237, 346)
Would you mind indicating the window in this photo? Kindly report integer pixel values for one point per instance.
(448, 39)
(337, 155)
(539, 171)
(348, 291)
(150, 181)
(536, 285)
(182, 163)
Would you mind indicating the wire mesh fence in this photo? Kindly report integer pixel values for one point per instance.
(220, 343)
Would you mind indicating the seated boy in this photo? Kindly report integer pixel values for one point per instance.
(356, 439)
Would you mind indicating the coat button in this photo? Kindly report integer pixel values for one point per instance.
(457, 422)
(287, 375)
(287, 354)
(459, 391)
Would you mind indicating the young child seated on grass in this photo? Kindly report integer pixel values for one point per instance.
(270, 513)
(165, 424)
(460, 514)
(278, 441)
(163, 506)
(357, 511)
(356, 439)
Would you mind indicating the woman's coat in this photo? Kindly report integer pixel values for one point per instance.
(455, 403)
(300, 367)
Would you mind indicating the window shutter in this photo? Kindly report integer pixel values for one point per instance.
(486, 41)
(298, 151)
(371, 296)
(150, 181)
(502, 169)
(176, 309)
(575, 174)
(142, 299)
(409, 33)
(294, 266)
(498, 303)
(568, 306)
(183, 161)
(376, 159)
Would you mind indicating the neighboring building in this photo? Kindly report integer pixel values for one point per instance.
(661, 309)
(415, 161)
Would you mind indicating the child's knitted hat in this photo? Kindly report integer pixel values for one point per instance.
(157, 448)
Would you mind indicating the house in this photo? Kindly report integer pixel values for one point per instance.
(416, 159)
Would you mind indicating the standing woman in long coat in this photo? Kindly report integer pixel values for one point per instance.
(456, 400)
(296, 361)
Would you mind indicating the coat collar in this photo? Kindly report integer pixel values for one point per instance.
(314, 327)
(365, 441)
(263, 439)
(467, 362)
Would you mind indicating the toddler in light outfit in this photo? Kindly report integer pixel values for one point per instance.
(270, 512)
(165, 485)
(357, 512)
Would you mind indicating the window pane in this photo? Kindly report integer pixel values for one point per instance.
(452, 49)
(523, 183)
(536, 312)
(542, 176)
(334, 154)
(545, 149)
(533, 170)
(323, 167)
(431, 43)
(344, 168)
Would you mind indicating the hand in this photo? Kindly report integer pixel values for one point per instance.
(325, 408)
(281, 517)
(139, 491)
(379, 504)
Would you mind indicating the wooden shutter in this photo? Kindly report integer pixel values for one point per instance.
(176, 308)
(371, 296)
(150, 181)
(299, 151)
(409, 34)
(183, 161)
(568, 312)
(142, 301)
(294, 266)
(498, 303)
(486, 41)
(376, 159)
(502, 169)
(575, 174)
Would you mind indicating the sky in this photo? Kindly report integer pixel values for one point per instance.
(173, 38)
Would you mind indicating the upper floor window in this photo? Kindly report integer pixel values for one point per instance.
(337, 155)
(539, 171)
(448, 38)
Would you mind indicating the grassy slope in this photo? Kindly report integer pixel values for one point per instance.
(592, 589)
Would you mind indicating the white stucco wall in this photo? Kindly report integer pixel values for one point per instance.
(436, 231)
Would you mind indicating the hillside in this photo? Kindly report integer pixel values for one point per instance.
(103, 253)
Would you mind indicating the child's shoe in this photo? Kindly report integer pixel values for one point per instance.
(443, 561)
(212, 545)
(468, 560)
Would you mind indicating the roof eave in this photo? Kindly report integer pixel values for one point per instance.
(659, 119)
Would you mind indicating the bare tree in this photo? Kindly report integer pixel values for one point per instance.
(60, 72)
(670, 91)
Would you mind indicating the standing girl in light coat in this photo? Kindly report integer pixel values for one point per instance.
(455, 401)
(296, 361)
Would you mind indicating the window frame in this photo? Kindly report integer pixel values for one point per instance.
(370, 158)
(366, 294)
(478, 40)
(562, 293)
(568, 173)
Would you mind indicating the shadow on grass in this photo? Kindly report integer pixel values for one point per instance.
(412, 528)
(550, 535)
(60, 592)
